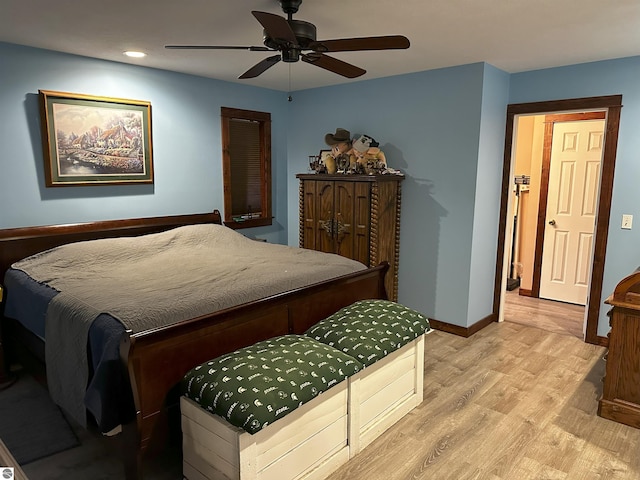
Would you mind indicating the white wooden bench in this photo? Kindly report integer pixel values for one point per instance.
(316, 438)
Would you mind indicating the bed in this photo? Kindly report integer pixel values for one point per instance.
(152, 361)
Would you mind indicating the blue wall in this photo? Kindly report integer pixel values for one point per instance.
(186, 140)
(443, 128)
(610, 77)
(488, 193)
(428, 124)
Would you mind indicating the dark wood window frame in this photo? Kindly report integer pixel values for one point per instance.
(263, 119)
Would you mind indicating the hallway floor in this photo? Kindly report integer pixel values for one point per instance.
(549, 315)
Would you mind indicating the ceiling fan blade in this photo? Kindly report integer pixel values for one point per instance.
(390, 42)
(333, 65)
(217, 47)
(260, 67)
(276, 26)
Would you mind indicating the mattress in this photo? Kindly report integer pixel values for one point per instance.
(90, 292)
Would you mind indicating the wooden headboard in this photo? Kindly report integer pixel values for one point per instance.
(18, 243)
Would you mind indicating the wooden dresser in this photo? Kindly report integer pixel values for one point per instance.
(621, 392)
(356, 216)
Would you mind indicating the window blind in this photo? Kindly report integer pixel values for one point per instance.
(246, 173)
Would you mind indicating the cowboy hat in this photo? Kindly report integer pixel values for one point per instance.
(341, 136)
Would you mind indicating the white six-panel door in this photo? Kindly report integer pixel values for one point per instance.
(572, 201)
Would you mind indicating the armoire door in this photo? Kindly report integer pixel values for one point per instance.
(324, 216)
(343, 218)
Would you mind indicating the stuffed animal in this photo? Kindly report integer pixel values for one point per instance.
(366, 156)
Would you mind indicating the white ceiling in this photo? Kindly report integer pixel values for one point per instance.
(513, 35)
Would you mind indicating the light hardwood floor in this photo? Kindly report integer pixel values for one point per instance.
(557, 317)
(511, 402)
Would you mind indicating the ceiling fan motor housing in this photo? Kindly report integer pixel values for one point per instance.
(305, 33)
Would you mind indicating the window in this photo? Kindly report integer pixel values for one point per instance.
(246, 167)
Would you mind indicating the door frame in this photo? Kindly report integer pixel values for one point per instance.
(612, 104)
(549, 122)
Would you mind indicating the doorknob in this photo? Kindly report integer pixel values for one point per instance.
(552, 222)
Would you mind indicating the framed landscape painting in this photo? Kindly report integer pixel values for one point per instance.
(90, 140)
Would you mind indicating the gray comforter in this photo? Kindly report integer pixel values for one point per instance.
(157, 280)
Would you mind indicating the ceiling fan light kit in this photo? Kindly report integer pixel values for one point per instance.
(294, 38)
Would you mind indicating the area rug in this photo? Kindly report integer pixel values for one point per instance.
(31, 425)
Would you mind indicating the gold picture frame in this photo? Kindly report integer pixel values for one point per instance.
(90, 140)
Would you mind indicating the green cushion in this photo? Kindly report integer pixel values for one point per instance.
(257, 385)
(370, 329)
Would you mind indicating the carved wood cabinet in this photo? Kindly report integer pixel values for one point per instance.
(621, 390)
(356, 216)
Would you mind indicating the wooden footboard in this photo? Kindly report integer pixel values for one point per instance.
(158, 359)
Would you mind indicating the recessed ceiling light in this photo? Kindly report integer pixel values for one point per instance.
(133, 53)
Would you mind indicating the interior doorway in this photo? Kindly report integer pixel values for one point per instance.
(557, 164)
(569, 147)
(611, 105)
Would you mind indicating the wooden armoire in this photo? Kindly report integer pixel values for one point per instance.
(356, 216)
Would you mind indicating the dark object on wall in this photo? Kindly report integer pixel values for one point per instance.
(291, 38)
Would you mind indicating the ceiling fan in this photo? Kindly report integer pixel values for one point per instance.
(294, 38)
